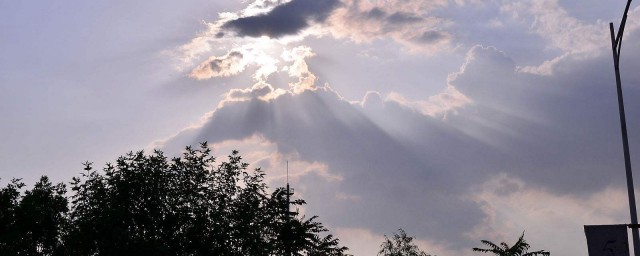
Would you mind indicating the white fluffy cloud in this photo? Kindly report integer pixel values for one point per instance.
(299, 68)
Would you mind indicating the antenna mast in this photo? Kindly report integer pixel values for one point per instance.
(287, 215)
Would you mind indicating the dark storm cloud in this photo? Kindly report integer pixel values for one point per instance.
(285, 19)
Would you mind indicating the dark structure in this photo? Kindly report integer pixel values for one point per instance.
(616, 45)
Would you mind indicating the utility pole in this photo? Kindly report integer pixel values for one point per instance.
(616, 45)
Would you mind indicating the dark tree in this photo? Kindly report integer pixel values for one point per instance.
(33, 223)
(520, 248)
(9, 201)
(400, 245)
(152, 205)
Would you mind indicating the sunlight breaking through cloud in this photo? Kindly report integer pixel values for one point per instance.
(408, 23)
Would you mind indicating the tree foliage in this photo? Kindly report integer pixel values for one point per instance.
(400, 245)
(520, 248)
(33, 223)
(152, 205)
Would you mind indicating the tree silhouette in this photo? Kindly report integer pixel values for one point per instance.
(152, 205)
(520, 248)
(32, 224)
(400, 245)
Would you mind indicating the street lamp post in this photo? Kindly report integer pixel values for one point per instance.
(616, 45)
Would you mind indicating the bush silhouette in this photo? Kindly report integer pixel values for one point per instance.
(520, 248)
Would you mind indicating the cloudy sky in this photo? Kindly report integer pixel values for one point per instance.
(456, 120)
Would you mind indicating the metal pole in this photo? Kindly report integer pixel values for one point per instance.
(616, 45)
(288, 239)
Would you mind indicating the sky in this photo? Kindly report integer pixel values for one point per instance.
(454, 120)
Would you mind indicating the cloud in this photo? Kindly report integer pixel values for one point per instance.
(186, 53)
(235, 61)
(560, 131)
(409, 23)
(320, 127)
(261, 153)
(546, 68)
(260, 91)
(551, 21)
(230, 64)
(285, 19)
(238, 59)
(500, 147)
(563, 33)
(511, 207)
(554, 136)
(439, 105)
(416, 26)
(299, 68)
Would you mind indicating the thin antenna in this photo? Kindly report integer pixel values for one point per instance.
(288, 241)
(288, 193)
